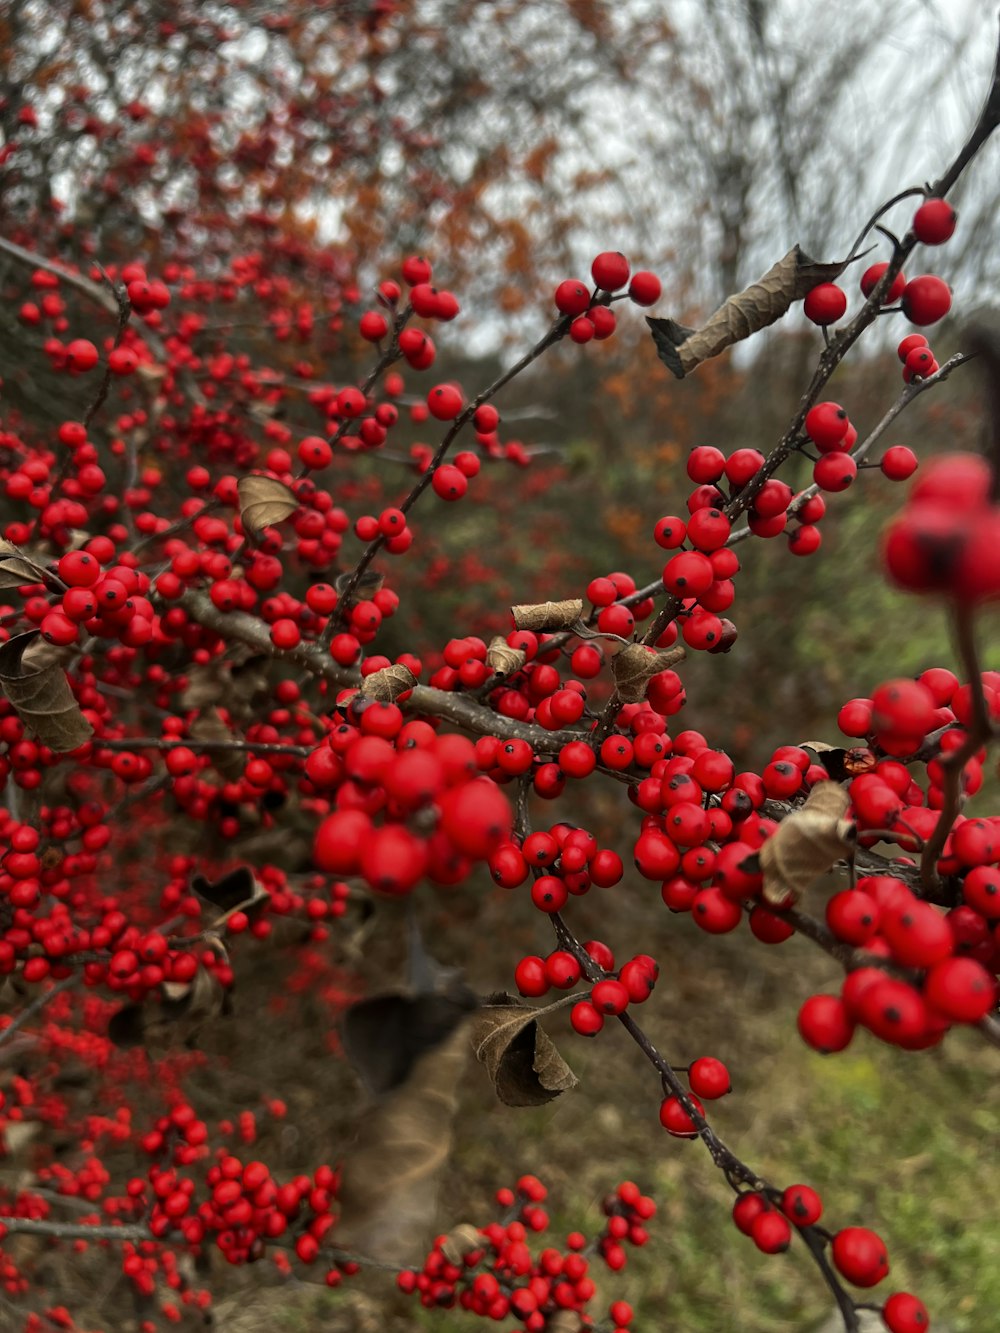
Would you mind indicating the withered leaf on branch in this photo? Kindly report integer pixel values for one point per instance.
(35, 683)
(565, 1321)
(520, 1058)
(635, 665)
(388, 1193)
(807, 843)
(173, 1019)
(462, 1239)
(17, 568)
(547, 615)
(264, 501)
(236, 888)
(384, 1035)
(504, 659)
(209, 726)
(388, 684)
(761, 304)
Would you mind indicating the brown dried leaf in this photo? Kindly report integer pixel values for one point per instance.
(388, 684)
(807, 844)
(16, 568)
(504, 659)
(520, 1058)
(40, 693)
(547, 615)
(388, 1192)
(761, 304)
(461, 1240)
(383, 1036)
(264, 501)
(175, 1018)
(238, 888)
(564, 1321)
(635, 665)
(210, 727)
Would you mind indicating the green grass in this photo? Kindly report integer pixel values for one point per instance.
(903, 1143)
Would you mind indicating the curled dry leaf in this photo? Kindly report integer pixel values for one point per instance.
(16, 568)
(388, 1193)
(238, 888)
(565, 1321)
(635, 665)
(388, 684)
(264, 501)
(367, 586)
(461, 1240)
(384, 1035)
(174, 1018)
(504, 659)
(547, 615)
(763, 302)
(32, 678)
(806, 844)
(209, 726)
(520, 1058)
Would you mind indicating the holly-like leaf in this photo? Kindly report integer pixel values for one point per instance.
(762, 303)
(264, 501)
(385, 1035)
(35, 683)
(806, 844)
(388, 1192)
(520, 1058)
(16, 568)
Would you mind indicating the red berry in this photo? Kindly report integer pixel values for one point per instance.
(825, 304)
(824, 1024)
(870, 279)
(903, 1313)
(585, 1019)
(802, 1205)
(961, 989)
(530, 976)
(645, 288)
(675, 1119)
(860, 1256)
(81, 355)
(771, 1233)
(934, 222)
(835, 472)
(709, 1078)
(416, 269)
(747, 1208)
(898, 463)
(445, 401)
(610, 271)
(926, 299)
(572, 297)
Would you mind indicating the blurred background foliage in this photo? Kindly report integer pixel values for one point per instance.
(510, 142)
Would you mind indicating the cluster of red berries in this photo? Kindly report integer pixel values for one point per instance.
(491, 1271)
(859, 1255)
(923, 300)
(947, 537)
(441, 814)
(590, 311)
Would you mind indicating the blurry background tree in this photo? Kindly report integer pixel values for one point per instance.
(510, 134)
